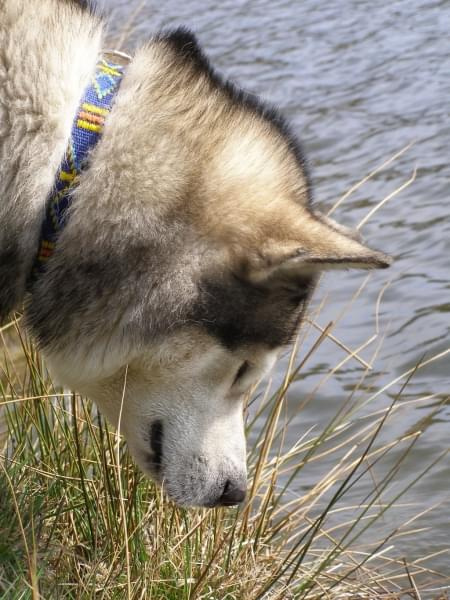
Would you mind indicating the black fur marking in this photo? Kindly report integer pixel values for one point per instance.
(239, 313)
(185, 44)
(156, 444)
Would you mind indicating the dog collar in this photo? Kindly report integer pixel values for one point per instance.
(87, 128)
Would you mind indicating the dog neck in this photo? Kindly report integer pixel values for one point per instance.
(44, 69)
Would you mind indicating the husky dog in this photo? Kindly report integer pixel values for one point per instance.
(190, 249)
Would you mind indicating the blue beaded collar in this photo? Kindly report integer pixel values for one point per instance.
(87, 127)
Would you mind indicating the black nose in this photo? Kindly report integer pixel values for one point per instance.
(233, 493)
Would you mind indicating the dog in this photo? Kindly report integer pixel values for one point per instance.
(189, 251)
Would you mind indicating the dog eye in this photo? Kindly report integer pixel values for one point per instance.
(242, 371)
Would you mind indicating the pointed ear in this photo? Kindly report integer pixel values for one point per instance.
(322, 245)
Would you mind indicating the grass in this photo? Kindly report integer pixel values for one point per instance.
(78, 520)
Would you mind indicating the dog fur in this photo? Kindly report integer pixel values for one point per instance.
(191, 250)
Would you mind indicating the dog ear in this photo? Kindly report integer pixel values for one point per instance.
(322, 244)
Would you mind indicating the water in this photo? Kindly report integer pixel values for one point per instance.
(359, 81)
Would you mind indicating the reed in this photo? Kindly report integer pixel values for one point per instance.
(78, 520)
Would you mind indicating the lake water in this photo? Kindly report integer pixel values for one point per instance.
(359, 81)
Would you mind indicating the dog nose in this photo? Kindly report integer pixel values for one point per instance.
(233, 493)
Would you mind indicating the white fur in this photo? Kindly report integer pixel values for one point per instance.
(187, 382)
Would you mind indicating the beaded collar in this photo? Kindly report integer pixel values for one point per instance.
(94, 108)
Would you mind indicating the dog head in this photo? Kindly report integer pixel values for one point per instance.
(187, 263)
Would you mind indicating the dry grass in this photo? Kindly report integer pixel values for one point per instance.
(78, 520)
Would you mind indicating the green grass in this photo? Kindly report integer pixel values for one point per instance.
(78, 520)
